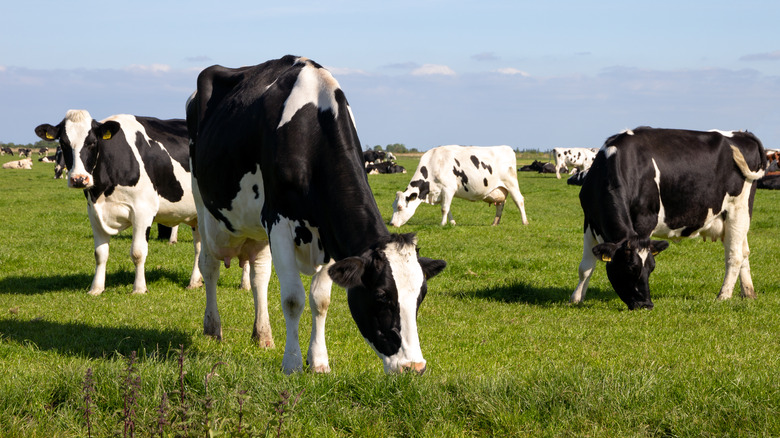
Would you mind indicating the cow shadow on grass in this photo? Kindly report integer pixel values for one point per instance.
(535, 295)
(78, 339)
(20, 285)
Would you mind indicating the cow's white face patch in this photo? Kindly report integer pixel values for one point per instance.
(78, 123)
(404, 206)
(315, 86)
(409, 278)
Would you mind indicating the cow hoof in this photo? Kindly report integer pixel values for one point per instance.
(139, 292)
(195, 285)
(264, 342)
(322, 369)
(95, 292)
(750, 294)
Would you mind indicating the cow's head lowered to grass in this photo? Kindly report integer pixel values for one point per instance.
(629, 265)
(385, 287)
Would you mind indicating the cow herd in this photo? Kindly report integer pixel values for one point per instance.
(268, 169)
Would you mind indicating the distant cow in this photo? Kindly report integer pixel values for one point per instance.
(19, 164)
(474, 173)
(6, 150)
(43, 151)
(277, 168)
(372, 157)
(578, 159)
(577, 179)
(24, 152)
(134, 171)
(670, 184)
(384, 168)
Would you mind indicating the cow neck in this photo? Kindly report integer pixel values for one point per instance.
(350, 219)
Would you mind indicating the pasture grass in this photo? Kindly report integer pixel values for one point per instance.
(507, 354)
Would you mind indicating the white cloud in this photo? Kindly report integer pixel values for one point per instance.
(152, 68)
(512, 71)
(433, 69)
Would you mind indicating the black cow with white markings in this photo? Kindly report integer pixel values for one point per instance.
(670, 184)
(134, 171)
(278, 169)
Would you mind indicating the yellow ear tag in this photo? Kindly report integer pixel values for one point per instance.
(107, 135)
(606, 258)
(655, 253)
(49, 136)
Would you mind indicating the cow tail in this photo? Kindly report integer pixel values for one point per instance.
(739, 159)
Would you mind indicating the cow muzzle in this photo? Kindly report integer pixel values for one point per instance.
(414, 367)
(79, 181)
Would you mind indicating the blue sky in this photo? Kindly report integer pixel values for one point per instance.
(423, 73)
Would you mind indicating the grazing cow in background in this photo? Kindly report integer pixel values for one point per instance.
(474, 173)
(277, 168)
(576, 159)
(6, 150)
(134, 171)
(24, 152)
(25, 163)
(43, 151)
(669, 184)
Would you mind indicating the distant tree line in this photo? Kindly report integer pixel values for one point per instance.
(396, 148)
(37, 145)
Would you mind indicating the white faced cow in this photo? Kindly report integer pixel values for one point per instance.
(670, 184)
(134, 171)
(576, 159)
(276, 159)
(475, 173)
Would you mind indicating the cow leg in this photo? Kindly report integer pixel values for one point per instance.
(745, 279)
(517, 197)
(139, 249)
(260, 274)
(293, 297)
(734, 245)
(446, 213)
(319, 301)
(209, 266)
(586, 267)
(499, 211)
(196, 279)
(101, 260)
(246, 282)
(174, 235)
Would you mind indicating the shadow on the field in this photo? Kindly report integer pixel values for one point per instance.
(538, 296)
(19, 285)
(85, 340)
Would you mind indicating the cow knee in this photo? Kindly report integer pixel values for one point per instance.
(292, 306)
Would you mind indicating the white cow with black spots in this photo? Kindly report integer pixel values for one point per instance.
(474, 173)
(575, 159)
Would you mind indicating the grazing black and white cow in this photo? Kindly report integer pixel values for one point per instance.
(24, 152)
(42, 152)
(277, 168)
(474, 173)
(6, 150)
(576, 159)
(670, 184)
(134, 171)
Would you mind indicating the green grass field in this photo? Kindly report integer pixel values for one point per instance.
(507, 354)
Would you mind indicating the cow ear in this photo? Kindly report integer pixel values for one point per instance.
(47, 132)
(348, 273)
(431, 267)
(605, 251)
(657, 246)
(107, 130)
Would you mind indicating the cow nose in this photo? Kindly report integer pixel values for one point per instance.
(415, 367)
(79, 181)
